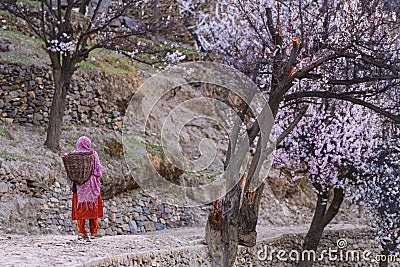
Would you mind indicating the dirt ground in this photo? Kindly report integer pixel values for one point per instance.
(66, 250)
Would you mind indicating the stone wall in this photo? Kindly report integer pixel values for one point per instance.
(128, 213)
(49, 212)
(95, 97)
(358, 240)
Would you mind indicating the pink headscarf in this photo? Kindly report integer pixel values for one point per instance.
(89, 191)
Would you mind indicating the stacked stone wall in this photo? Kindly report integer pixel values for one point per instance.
(95, 97)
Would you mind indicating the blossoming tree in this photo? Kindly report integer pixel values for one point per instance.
(69, 37)
(297, 51)
(329, 146)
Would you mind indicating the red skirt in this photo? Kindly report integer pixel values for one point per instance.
(84, 211)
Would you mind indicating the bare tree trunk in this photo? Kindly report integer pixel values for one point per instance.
(235, 225)
(249, 217)
(322, 217)
(214, 241)
(384, 263)
(222, 230)
(61, 85)
(386, 248)
(315, 231)
(156, 14)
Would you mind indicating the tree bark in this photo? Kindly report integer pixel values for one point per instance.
(384, 263)
(214, 242)
(386, 248)
(83, 5)
(322, 217)
(222, 236)
(61, 85)
(237, 226)
(156, 14)
(238, 218)
(249, 217)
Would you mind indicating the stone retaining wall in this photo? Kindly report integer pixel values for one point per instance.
(127, 213)
(34, 201)
(358, 240)
(95, 97)
(266, 252)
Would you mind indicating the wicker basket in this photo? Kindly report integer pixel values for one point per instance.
(79, 166)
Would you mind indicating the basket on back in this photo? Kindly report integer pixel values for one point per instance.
(79, 166)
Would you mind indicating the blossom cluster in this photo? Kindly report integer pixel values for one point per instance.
(330, 143)
(378, 190)
(60, 46)
(175, 57)
(241, 34)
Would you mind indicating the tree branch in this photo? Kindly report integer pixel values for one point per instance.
(326, 94)
(292, 125)
(317, 76)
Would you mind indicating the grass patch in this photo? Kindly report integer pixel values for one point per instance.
(17, 58)
(131, 150)
(154, 146)
(86, 65)
(13, 143)
(166, 46)
(3, 132)
(108, 61)
(18, 35)
(9, 156)
(30, 2)
(149, 145)
(29, 50)
(210, 176)
(24, 49)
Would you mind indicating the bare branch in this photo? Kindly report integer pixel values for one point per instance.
(326, 94)
(292, 125)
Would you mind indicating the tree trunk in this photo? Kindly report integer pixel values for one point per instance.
(232, 225)
(214, 242)
(233, 220)
(315, 231)
(83, 5)
(386, 249)
(322, 217)
(61, 85)
(222, 229)
(156, 14)
(384, 263)
(249, 217)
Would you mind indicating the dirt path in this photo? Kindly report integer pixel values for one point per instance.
(66, 250)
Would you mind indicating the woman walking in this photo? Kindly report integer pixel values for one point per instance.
(86, 198)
